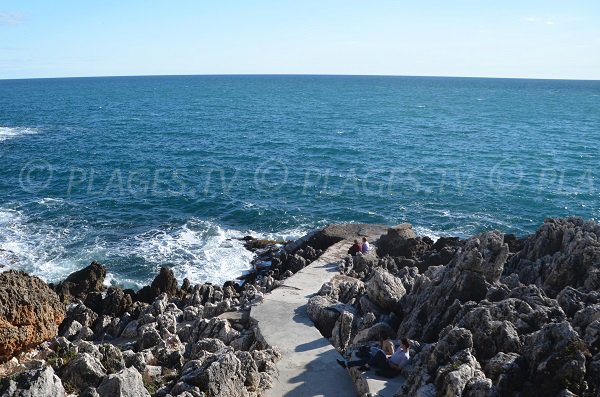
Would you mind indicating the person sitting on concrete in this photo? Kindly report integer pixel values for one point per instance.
(365, 246)
(377, 357)
(401, 357)
(355, 249)
(389, 365)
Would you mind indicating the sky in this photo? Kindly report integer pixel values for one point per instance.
(557, 39)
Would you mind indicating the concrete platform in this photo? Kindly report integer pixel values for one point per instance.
(308, 365)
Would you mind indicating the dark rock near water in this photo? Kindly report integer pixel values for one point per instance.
(165, 282)
(80, 283)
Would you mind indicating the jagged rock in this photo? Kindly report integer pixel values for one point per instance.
(249, 370)
(490, 335)
(112, 358)
(364, 262)
(80, 283)
(321, 310)
(480, 387)
(89, 392)
(556, 358)
(563, 252)
(342, 288)
(342, 331)
(149, 337)
(89, 348)
(116, 302)
(35, 383)
(81, 313)
(131, 330)
(164, 282)
(83, 371)
(29, 314)
(396, 241)
(210, 345)
(126, 383)
(373, 333)
(385, 289)
(439, 294)
(218, 375)
(214, 328)
(508, 372)
(169, 352)
(69, 329)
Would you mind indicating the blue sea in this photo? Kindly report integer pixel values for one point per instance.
(138, 172)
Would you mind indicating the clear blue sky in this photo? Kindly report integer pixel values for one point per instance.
(508, 38)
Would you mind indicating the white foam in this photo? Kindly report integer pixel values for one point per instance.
(424, 231)
(198, 250)
(39, 251)
(7, 133)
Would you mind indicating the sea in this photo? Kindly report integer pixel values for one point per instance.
(141, 172)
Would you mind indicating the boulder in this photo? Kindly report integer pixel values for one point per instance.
(399, 240)
(164, 282)
(556, 358)
(83, 371)
(30, 313)
(385, 290)
(80, 283)
(326, 237)
(218, 374)
(321, 310)
(125, 383)
(562, 253)
(35, 383)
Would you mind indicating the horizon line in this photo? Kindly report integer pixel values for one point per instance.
(295, 74)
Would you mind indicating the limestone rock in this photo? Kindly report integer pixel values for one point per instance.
(83, 371)
(29, 314)
(385, 289)
(36, 383)
(126, 383)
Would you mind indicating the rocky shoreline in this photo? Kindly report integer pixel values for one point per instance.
(493, 315)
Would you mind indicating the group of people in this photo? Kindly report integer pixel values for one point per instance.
(358, 248)
(385, 358)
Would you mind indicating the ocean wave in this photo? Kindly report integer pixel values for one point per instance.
(199, 250)
(7, 133)
(38, 250)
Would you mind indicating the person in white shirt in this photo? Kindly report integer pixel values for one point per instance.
(400, 358)
(365, 246)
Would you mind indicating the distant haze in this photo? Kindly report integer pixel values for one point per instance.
(532, 39)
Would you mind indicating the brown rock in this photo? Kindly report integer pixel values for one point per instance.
(30, 312)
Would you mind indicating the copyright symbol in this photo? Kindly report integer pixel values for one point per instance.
(506, 176)
(270, 176)
(35, 175)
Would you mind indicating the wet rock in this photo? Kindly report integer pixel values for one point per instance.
(30, 313)
(164, 282)
(80, 283)
(116, 302)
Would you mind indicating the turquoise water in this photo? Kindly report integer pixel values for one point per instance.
(137, 172)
